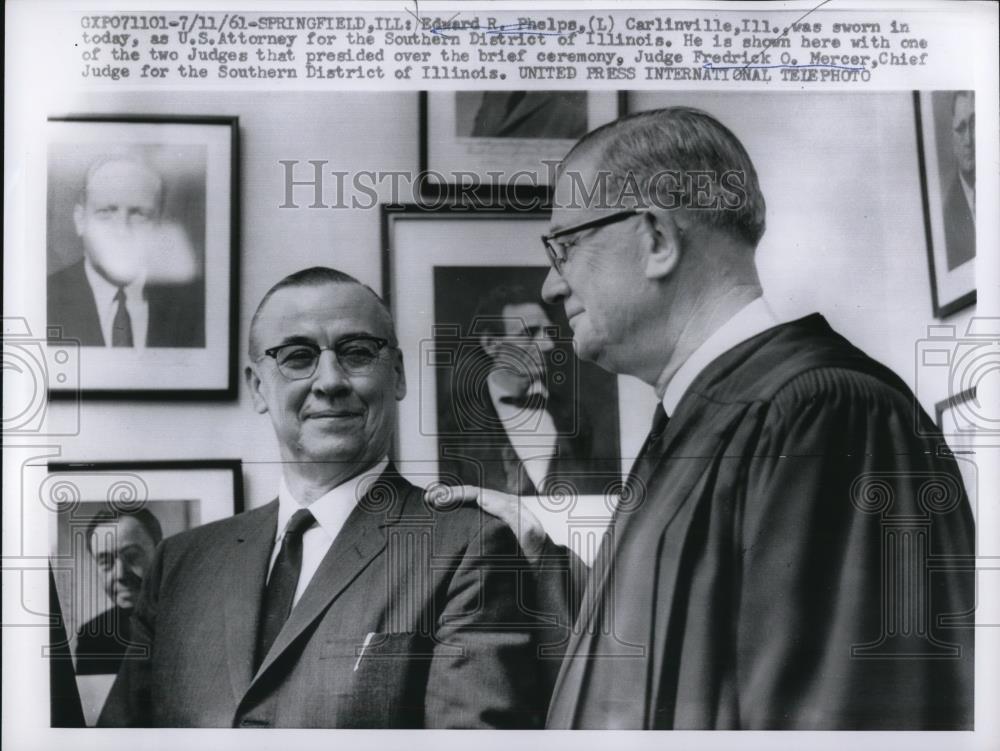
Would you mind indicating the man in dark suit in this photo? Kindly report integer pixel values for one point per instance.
(122, 545)
(346, 601)
(508, 425)
(105, 298)
(772, 562)
(960, 200)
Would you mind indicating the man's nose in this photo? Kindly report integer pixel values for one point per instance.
(329, 375)
(119, 569)
(554, 288)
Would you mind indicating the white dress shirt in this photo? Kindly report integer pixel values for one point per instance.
(531, 434)
(752, 319)
(104, 297)
(330, 511)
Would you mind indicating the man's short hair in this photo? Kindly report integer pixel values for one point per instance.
(646, 146)
(488, 318)
(316, 276)
(145, 517)
(136, 161)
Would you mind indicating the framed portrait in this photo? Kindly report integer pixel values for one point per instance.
(504, 142)
(107, 519)
(946, 146)
(142, 218)
(501, 400)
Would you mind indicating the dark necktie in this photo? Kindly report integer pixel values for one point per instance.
(280, 589)
(121, 326)
(649, 457)
(528, 401)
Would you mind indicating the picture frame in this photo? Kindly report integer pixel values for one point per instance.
(958, 418)
(96, 571)
(945, 122)
(497, 153)
(170, 251)
(438, 265)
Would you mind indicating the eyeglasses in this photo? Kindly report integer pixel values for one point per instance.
(557, 251)
(357, 355)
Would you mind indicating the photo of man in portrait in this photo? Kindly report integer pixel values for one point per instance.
(518, 412)
(125, 270)
(121, 545)
(959, 174)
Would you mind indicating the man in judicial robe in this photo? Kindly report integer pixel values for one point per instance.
(792, 550)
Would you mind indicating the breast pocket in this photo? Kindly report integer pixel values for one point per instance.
(378, 680)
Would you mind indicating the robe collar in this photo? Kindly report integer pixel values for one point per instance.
(749, 321)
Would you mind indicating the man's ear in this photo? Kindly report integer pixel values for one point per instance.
(400, 371)
(78, 219)
(661, 244)
(254, 387)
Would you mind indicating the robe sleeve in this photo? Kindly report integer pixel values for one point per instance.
(855, 537)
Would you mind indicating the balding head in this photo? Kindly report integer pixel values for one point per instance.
(121, 201)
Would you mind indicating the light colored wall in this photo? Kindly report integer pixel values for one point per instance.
(845, 234)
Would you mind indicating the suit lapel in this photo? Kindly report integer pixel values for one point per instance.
(360, 540)
(245, 580)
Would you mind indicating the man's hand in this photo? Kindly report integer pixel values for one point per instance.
(507, 508)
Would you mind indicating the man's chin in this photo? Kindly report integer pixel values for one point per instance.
(330, 446)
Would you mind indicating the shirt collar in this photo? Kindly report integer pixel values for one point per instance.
(749, 321)
(331, 509)
(105, 291)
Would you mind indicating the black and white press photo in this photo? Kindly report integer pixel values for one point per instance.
(632, 371)
(139, 252)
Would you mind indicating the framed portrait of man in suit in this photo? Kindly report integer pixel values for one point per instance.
(946, 144)
(141, 222)
(502, 401)
(107, 520)
(504, 143)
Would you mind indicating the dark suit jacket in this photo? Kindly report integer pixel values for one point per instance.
(786, 567)
(440, 591)
(531, 114)
(176, 313)
(475, 449)
(102, 641)
(959, 226)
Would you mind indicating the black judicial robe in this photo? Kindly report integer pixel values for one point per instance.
(801, 559)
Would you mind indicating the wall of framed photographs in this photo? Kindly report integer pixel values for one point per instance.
(864, 241)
